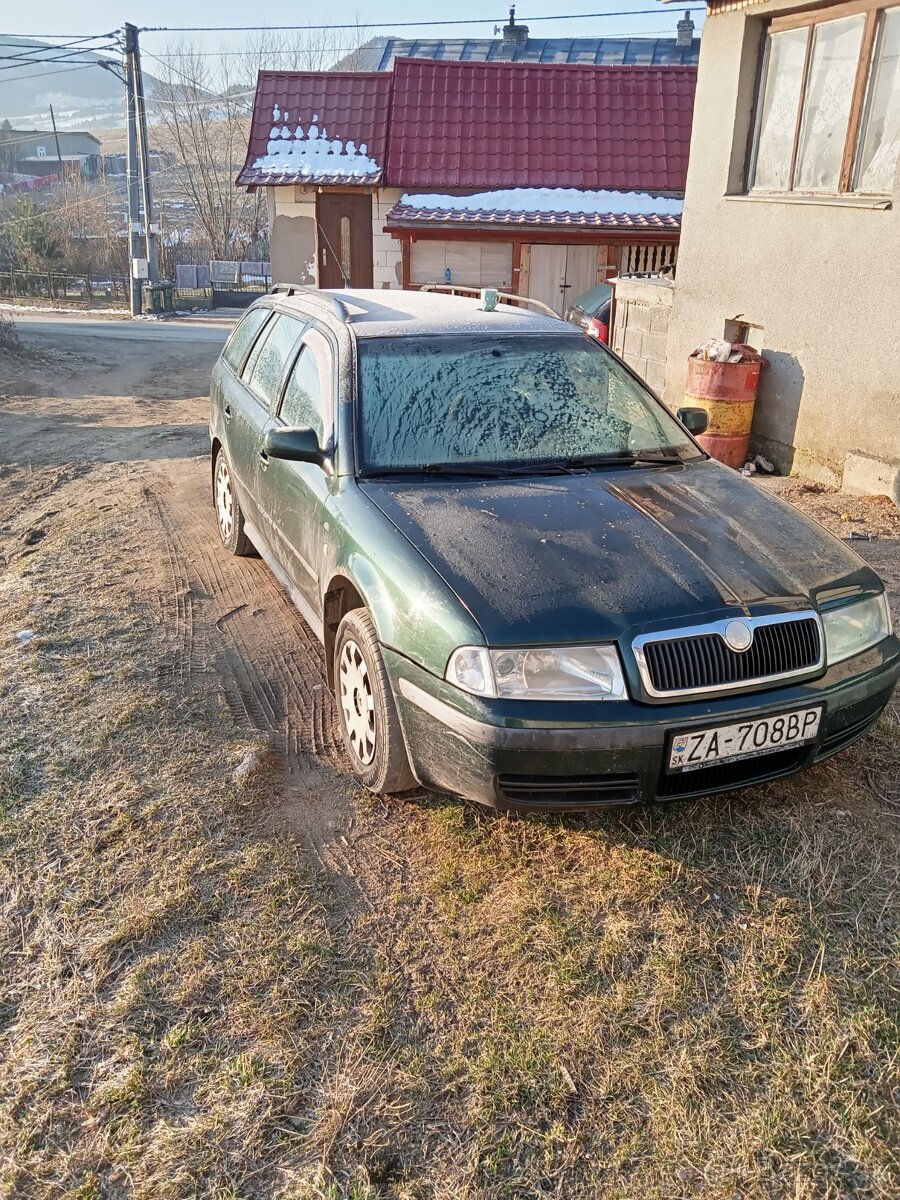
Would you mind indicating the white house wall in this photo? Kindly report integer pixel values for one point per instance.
(292, 234)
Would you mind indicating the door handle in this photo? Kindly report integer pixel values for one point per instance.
(226, 412)
(264, 458)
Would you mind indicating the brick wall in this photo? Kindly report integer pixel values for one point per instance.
(641, 326)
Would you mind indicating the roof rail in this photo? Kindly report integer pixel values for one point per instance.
(507, 297)
(338, 308)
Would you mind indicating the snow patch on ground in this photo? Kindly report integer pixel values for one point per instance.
(551, 200)
(311, 153)
(74, 310)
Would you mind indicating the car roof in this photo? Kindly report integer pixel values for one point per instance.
(397, 313)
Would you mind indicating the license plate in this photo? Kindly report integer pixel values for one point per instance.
(698, 748)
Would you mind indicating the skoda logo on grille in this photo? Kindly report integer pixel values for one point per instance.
(738, 636)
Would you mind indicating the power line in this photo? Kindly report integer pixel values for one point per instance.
(37, 49)
(47, 74)
(32, 62)
(331, 49)
(52, 55)
(91, 37)
(630, 12)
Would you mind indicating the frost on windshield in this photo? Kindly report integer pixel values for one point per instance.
(441, 400)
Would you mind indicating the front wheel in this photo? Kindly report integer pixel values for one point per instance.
(370, 725)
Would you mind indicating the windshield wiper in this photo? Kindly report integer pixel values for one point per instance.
(474, 470)
(537, 466)
(640, 458)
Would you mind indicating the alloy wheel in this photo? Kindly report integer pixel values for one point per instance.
(357, 702)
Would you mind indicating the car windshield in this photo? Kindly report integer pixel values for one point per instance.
(514, 401)
(594, 298)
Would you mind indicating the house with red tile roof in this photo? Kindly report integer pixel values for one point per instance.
(542, 179)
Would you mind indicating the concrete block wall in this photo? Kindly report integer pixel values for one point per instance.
(641, 327)
(387, 255)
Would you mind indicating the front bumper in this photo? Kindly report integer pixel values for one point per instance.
(538, 757)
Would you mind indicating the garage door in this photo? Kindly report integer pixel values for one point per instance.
(559, 274)
(472, 264)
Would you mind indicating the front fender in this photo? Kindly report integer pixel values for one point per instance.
(415, 612)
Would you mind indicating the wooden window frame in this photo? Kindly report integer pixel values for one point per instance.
(872, 10)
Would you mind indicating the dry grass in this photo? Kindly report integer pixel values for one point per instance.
(692, 1001)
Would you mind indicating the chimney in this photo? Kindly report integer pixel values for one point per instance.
(515, 36)
(685, 31)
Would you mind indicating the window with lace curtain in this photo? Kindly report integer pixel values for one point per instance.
(828, 109)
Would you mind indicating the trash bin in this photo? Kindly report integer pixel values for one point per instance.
(727, 390)
(159, 297)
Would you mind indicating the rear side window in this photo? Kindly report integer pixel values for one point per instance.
(306, 400)
(265, 367)
(239, 342)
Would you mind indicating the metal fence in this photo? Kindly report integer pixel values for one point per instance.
(61, 287)
(194, 287)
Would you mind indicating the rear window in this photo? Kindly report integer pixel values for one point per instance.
(239, 342)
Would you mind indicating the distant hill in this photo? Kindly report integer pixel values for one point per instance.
(88, 97)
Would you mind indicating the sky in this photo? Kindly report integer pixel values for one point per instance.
(61, 17)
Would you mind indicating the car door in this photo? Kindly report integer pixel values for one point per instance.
(295, 492)
(227, 421)
(255, 398)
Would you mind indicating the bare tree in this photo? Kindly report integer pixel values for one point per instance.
(205, 122)
(205, 103)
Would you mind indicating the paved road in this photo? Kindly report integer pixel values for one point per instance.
(36, 325)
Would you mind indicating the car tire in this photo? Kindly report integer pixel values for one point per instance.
(229, 518)
(373, 738)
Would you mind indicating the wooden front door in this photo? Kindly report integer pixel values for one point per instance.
(344, 239)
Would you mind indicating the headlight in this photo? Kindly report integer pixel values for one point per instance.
(554, 673)
(855, 627)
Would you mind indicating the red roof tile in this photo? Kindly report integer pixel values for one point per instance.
(409, 216)
(494, 125)
(349, 106)
(434, 124)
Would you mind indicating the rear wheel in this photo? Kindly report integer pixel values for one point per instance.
(229, 517)
(370, 725)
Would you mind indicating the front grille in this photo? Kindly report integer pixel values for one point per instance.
(725, 775)
(704, 660)
(568, 791)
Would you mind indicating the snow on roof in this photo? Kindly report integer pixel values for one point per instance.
(572, 201)
(311, 154)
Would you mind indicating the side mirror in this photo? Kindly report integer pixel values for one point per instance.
(295, 445)
(695, 420)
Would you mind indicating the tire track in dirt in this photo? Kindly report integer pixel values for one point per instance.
(231, 617)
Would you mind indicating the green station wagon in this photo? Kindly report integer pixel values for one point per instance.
(533, 587)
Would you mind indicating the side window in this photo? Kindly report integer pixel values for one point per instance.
(265, 367)
(239, 343)
(307, 397)
(827, 111)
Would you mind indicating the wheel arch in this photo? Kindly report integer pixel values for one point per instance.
(214, 449)
(341, 596)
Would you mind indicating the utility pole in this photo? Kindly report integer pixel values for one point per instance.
(56, 139)
(134, 217)
(144, 151)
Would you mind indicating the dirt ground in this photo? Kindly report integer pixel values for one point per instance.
(227, 973)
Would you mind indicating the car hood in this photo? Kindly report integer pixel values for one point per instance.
(602, 555)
